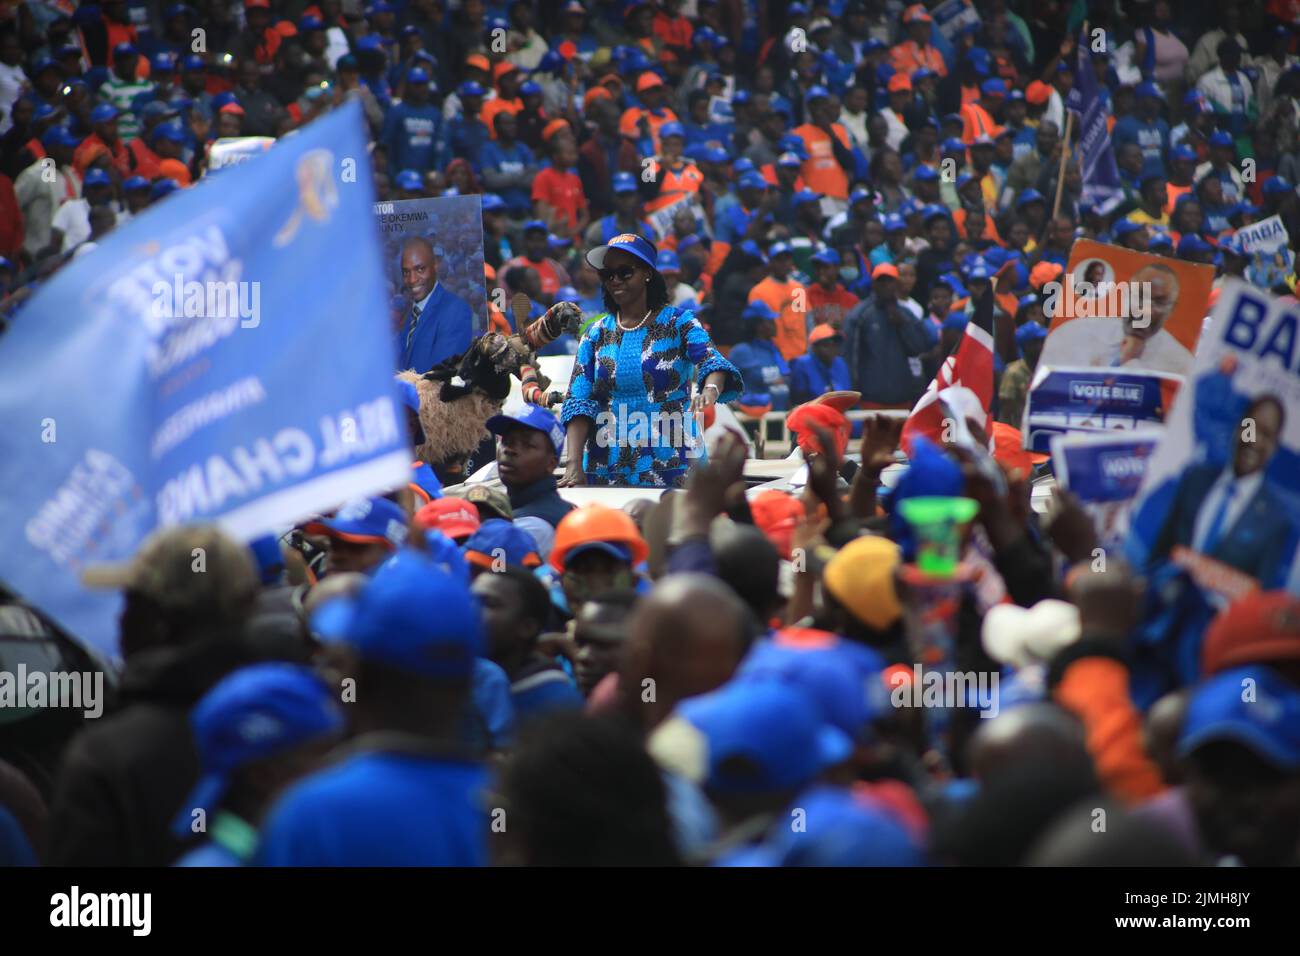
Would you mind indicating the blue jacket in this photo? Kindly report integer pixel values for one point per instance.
(539, 500)
(465, 139)
(411, 134)
(761, 365)
(878, 353)
(541, 688)
(810, 378)
(445, 328)
(516, 160)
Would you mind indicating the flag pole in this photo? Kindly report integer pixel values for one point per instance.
(1065, 144)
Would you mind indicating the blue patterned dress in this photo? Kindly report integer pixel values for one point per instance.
(635, 388)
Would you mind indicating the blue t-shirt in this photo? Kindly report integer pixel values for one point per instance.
(1151, 137)
(764, 371)
(810, 378)
(381, 809)
(513, 160)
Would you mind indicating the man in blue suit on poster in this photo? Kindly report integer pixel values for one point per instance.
(439, 324)
(1232, 514)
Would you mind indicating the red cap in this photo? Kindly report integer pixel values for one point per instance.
(257, 4)
(776, 514)
(1262, 627)
(803, 418)
(232, 108)
(1008, 450)
(1038, 93)
(454, 517)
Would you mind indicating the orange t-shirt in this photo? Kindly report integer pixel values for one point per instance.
(562, 191)
(791, 324)
(820, 170)
(907, 58)
(675, 184)
(830, 306)
(628, 125)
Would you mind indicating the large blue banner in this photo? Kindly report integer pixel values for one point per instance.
(1101, 183)
(226, 357)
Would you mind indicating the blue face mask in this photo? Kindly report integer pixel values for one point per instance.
(849, 273)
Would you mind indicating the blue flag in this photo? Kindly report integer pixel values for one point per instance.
(1101, 183)
(226, 356)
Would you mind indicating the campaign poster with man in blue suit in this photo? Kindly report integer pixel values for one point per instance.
(433, 259)
(1218, 513)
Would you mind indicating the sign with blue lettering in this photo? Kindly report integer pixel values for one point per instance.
(223, 357)
(1219, 508)
(1104, 471)
(1087, 400)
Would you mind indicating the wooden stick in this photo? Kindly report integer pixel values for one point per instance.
(1065, 142)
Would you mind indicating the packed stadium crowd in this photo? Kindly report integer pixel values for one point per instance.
(819, 207)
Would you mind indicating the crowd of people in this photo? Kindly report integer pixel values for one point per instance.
(766, 205)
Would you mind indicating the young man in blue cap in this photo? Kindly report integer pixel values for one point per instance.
(531, 442)
(509, 166)
(762, 366)
(626, 216)
(407, 791)
(412, 126)
(256, 731)
(362, 534)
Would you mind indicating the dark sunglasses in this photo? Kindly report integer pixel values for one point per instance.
(624, 274)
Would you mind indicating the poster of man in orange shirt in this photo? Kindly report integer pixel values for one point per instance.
(787, 298)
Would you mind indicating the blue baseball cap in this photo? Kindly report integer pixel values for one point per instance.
(498, 538)
(826, 257)
(953, 145)
(758, 309)
(103, 113)
(493, 202)
(418, 76)
(409, 180)
(59, 136)
(134, 183)
(1276, 184)
(193, 63)
(715, 154)
(893, 222)
(365, 520)
(1030, 331)
(742, 166)
(806, 196)
(177, 10)
(1245, 206)
(1265, 721)
(559, 242)
(1149, 90)
(752, 249)
(170, 130)
(256, 712)
(1160, 238)
(858, 195)
(471, 88)
(672, 128)
(530, 416)
(412, 614)
(964, 179)
(994, 86)
(628, 242)
(97, 177)
(934, 211)
(44, 111)
(817, 92)
(310, 24)
(624, 183)
(790, 160)
(157, 108)
(530, 88)
(125, 49)
(162, 189)
(979, 58)
(790, 143)
(667, 261)
(780, 248)
(1029, 195)
(925, 174)
(1184, 152)
(761, 736)
(1191, 243)
(1221, 138)
(1124, 227)
(43, 64)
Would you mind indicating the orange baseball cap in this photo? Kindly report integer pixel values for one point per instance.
(596, 93)
(176, 170)
(1009, 453)
(648, 81)
(1044, 273)
(1038, 93)
(885, 269)
(489, 272)
(776, 514)
(502, 68)
(1262, 627)
(916, 13)
(822, 332)
(454, 517)
(479, 62)
(900, 81)
(553, 127)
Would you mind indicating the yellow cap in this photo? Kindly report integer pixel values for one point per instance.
(861, 577)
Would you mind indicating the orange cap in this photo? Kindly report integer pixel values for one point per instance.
(900, 81)
(1038, 93)
(1008, 450)
(776, 514)
(553, 127)
(822, 332)
(885, 269)
(1262, 627)
(597, 524)
(502, 68)
(596, 93)
(479, 62)
(489, 272)
(1044, 273)
(648, 81)
(175, 169)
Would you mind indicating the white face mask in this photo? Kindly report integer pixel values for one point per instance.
(849, 273)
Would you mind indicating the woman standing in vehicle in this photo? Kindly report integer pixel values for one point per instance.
(629, 413)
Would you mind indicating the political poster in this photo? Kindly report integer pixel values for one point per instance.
(952, 15)
(236, 150)
(219, 358)
(452, 228)
(1104, 471)
(1267, 246)
(1221, 498)
(1122, 309)
(1091, 400)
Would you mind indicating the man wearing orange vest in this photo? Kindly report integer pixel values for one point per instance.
(652, 115)
(917, 51)
(830, 157)
(674, 176)
(978, 118)
(787, 298)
